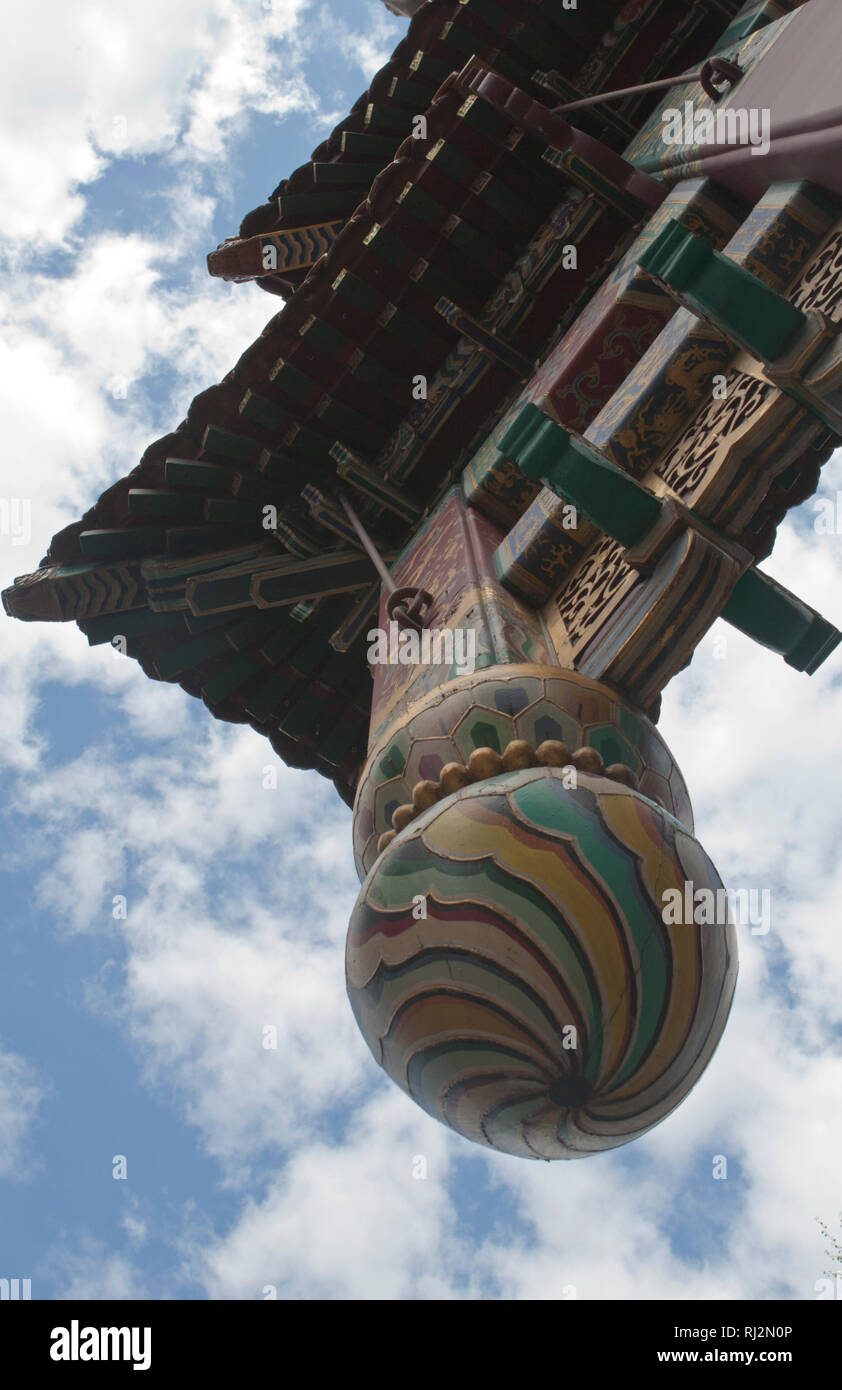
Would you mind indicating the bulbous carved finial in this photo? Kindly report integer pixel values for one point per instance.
(407, 8)
(512, 963)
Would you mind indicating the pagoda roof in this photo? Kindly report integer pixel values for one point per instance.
(512, 37)
(263, 613)
(625, 41)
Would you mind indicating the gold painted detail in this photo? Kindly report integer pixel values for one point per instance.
(709, 438)
(590, 592)
(820, 287)
(485, 763)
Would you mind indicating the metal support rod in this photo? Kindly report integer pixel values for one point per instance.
(368, 544)
(627, 92)
(714, 67)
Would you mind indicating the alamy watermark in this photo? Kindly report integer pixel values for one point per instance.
(706, 907)
(828, 518)
(78, 1343)
(15, 1290)
(730, 125)
(396, 646)
(16, 519)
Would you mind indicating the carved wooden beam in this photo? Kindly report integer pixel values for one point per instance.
(648, 526)
(583, 159)
(273, 253)
(800, 349)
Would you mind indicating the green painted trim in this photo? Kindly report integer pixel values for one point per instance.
(325, 337)
(362, 145)
(318, 205)
(234, 674)
(382, 117)
(278, 648)
(453, 161)
(198, 475)
(137, 622)
(180, 506)
(302, 716)
(344, 171)
(434, 70)
(265, 412)
(416, 95)
(726, 294)
(200, 540)
(603, 493)
(772, 616)
(107, 544)
(233, 511)
(359, 292)
(346, 734)
(229, 445)
(627, 511)
(189, 654)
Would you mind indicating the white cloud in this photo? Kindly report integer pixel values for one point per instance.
(348, 1220)
(21, 1094)
(78, 358)
(85, 1269)
(238, 896)
(255, 67)
(133, 1223)
(369, 48)
(100, 82)
(212, 958)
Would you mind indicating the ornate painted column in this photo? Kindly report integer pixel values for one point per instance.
(519, 829)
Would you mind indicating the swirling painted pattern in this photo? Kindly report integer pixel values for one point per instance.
(544, 910)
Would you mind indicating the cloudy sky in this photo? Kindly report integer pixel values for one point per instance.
(132, 139)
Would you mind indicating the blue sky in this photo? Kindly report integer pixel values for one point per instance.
(134, 140)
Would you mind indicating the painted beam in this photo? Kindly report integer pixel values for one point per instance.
(625, 510)
(273, 582)
(358, 620)
(581, 158)
(485, 339)
(716, 288)
(606, 496)
(64, 593)
(274, 253)
(801, 350)
(373, 485)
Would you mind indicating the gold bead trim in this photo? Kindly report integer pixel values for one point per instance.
(485, 762)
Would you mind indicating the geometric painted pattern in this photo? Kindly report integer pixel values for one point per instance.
(488, 710)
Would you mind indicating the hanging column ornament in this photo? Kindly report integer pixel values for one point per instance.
(407, 606)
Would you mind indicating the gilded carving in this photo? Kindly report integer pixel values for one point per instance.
(707, 441)
(593, 589)
(820, 287)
